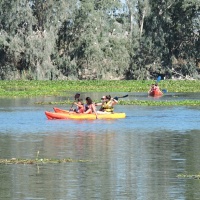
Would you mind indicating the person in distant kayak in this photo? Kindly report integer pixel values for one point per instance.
(90, 107)
(107, 104)
(151, 89)
(156, 87)
(155, 90)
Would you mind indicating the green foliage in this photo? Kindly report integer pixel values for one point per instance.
(172, 29)
(101, 39)
(43, 88)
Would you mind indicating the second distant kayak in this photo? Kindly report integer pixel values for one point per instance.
(155, 93)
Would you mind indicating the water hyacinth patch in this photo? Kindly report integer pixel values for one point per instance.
(135, 102)
(161, 103)
(190, 176)
(55, 88)
(38, 161)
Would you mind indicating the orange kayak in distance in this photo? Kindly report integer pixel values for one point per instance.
(155, 93)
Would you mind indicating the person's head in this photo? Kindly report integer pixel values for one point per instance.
(156, 84)
(108, 97)
(80, 101)
(88, 100)
(103, 98)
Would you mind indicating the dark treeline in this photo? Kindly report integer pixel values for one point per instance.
(99, 39)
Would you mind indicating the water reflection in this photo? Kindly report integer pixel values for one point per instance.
(122, 167)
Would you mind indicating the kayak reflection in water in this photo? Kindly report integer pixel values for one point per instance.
(90, 107)
(107, 104)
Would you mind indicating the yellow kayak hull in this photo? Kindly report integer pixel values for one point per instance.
(100, 116)
(62, 114)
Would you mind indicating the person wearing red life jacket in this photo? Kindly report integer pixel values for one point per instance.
(79, 106)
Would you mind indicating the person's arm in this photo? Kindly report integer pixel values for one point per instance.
(94, 109)
(80, 106)
(75, 103)
(88, 111)
(98, 104)
(150, 90)
(114, 101)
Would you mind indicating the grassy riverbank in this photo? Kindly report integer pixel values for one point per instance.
(14, 89)
(52, 88)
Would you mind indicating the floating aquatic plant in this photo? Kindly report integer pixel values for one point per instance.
(191, 176)
(54, 88)
(38, 160)
(161, 103)
(137, 102)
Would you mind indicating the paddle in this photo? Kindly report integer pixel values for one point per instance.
(116, 98)
(164, 90)
(77, 95)
(158, 80)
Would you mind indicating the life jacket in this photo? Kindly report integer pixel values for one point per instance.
(80, 110)
(107, 106)
(157, 90)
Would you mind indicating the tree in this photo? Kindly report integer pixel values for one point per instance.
(91, 41)
(98, 39)
(31, 34)
(172, 28)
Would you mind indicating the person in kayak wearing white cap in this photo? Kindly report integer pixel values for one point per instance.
(107, 104)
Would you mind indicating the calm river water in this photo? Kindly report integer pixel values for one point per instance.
(138, 157)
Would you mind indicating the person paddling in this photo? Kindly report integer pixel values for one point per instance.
(107, 104)
(79, 106)
(155, 90)
(90, 107)
(151, 89)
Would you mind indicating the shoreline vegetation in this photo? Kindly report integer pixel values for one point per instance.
(19, 89)
(51, 40)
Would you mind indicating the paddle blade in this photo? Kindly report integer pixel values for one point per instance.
(77, 95)
(164, 90)
(158, 79)
(123, 96)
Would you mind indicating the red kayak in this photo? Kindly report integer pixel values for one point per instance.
(58, 110)
(155, 93)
